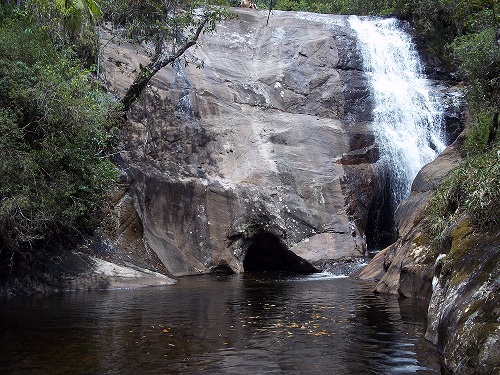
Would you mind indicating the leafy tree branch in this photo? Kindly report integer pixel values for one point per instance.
(172, 26)
(161, 59)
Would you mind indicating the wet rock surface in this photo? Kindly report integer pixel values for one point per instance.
(460, 278)
(56, 270)
(407, 266)
(270, 139)
(464, 310)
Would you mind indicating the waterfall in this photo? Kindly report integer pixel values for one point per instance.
(181, 81)
(407, 113)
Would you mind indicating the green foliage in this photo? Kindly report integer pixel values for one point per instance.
(477, 56)
(54, 138)
(473, 189)
(359, 7)
(77, 13)
(478, 132)
(469, 15)
(139, 18)
(165, 20)
(69, 24)
(303, 5)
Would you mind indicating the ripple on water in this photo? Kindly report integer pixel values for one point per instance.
(274, 324)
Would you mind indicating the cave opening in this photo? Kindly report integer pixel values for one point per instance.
(267, 253)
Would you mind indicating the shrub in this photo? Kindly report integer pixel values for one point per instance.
(478, 59)
(473, 189)
(54, 137)
(478, 133)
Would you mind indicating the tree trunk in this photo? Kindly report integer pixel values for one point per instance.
(493, 129)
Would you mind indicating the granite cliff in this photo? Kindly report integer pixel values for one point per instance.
(267, 146)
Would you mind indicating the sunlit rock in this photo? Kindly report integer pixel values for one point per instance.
(272, 133)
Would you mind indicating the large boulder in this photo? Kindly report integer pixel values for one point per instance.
(464, 310)
(270, 139)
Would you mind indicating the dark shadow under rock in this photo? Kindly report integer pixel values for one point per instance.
(266, 253)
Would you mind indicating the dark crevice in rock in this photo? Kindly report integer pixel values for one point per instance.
(267, 253)
(350, 68)
(328, 230)
(380, 229)
(222, 269)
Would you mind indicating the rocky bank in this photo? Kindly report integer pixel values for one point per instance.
(460, 278)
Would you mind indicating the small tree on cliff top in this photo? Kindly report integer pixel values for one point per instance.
(173, 26)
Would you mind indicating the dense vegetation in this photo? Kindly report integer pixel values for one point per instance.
(54, 129)
(57, 121)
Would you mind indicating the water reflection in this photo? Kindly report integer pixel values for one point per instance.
(217, 325)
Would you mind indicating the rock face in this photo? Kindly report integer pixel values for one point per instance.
(407, 266)
(265, 159)
(460, 278)
(464, 310)
(269, 143)
(63, 270)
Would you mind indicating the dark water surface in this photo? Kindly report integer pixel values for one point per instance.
(218, 325)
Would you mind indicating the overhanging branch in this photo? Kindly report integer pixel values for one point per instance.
(159, 61)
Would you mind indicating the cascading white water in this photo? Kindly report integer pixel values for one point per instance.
(407, 112)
